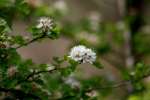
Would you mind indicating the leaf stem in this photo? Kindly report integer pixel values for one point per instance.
(35, 73)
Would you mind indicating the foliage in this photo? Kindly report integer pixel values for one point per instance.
(22, 79)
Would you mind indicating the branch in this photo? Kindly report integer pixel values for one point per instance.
(117, 85)
(123, 83)
(89, 90)
(120, 84)
(19, 94)
(35, 73)
(31, 41)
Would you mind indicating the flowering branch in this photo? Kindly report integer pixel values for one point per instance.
(31, 41)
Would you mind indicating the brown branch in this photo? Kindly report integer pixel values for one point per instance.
(123, 83)
(118, 85)
(29, 42)
(34, 74)
(37, 73)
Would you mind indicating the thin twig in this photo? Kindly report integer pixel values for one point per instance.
(34, 74)
(31, 41)
(37, 73)
(123, 83)
(120, 84)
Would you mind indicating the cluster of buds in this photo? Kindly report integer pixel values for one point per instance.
(45, 24)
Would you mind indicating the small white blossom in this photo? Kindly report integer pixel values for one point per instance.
(82, 54)
(72, 81)
(45, 23)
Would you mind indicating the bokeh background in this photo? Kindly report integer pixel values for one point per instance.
(105, 17)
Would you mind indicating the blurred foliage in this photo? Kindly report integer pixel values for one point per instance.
(24, 80)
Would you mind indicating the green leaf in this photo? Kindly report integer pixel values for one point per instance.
(18, 40)
(54, 33)
(23, 8)
(4, 28)
(97, 64)
(66, 71)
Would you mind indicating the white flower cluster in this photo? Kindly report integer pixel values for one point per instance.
(45, 23)
(82, 54)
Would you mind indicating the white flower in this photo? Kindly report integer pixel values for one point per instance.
(82, 54)
(45, 23)
(72, 81)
